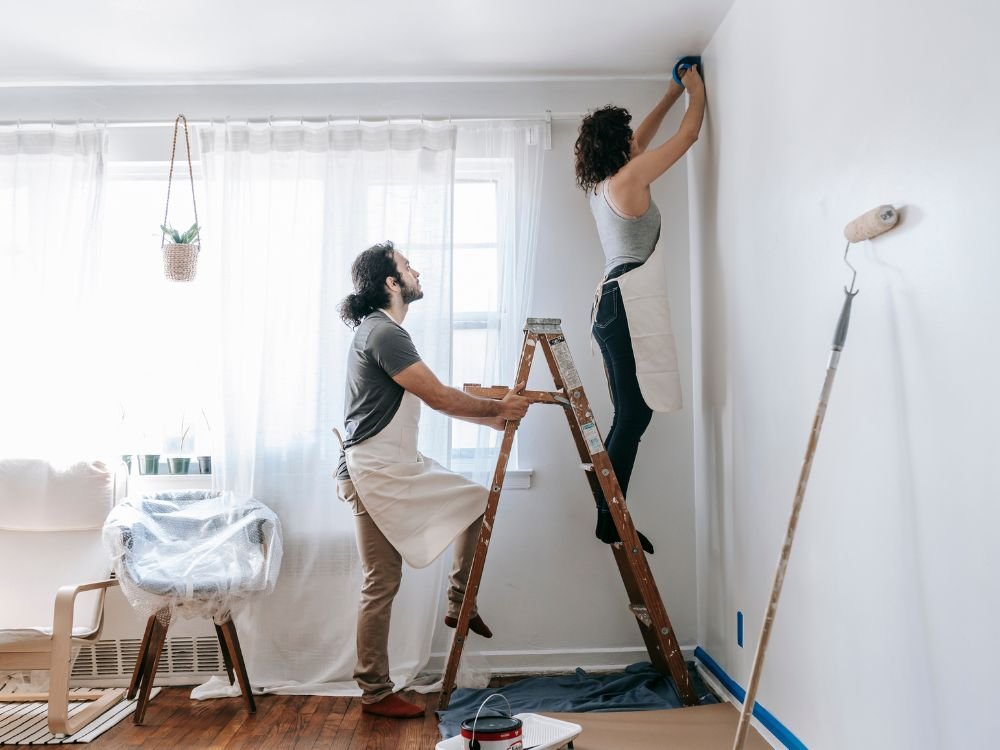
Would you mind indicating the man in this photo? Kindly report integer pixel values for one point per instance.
(406, 506)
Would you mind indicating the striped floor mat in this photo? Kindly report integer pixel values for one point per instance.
(27, 723)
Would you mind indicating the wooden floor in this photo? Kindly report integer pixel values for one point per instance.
(292, 722)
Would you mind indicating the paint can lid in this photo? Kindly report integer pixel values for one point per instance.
(492, 727)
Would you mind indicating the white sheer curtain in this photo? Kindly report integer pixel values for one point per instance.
(53, 398)
(511, 154)
(289, 207)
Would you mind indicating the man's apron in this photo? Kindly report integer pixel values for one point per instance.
(644, 296)
(418, 504)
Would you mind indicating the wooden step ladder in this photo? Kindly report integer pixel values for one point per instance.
(644, 598)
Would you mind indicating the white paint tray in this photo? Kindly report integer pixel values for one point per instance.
(540, 733)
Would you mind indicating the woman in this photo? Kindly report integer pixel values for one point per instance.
(615, 168)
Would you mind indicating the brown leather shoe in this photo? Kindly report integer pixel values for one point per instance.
(476, 625)
(394, 707)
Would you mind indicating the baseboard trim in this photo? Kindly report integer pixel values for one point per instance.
(768, 720)
(545, 661)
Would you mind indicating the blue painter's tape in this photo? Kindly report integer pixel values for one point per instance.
(683, 64)
(764, 716)
(739, 629)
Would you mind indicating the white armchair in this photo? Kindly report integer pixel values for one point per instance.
(54, 572)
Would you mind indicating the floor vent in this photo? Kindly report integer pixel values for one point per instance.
(116, 658)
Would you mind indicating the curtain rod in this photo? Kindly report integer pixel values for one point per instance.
(286, 120)
(547, 116)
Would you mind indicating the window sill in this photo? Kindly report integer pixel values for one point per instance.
(514, 479)
(140, 483)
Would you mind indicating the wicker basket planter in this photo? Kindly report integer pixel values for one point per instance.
(180, 262)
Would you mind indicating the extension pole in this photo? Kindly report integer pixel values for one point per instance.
(793, 522)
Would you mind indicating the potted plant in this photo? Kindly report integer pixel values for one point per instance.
(123, 440)
(205, 462)
(180, 464)
(149, 463)
(180, 255)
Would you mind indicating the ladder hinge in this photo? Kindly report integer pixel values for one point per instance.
(642, 614)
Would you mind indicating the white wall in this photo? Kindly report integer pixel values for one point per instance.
(549, 585)
(817, 112)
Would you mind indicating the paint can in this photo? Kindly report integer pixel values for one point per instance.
(492, 732)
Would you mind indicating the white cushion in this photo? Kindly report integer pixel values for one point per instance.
(36, 496)
(36, 564)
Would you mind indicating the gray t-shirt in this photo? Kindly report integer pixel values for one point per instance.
(381, 348)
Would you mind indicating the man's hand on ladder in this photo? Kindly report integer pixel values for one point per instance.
(514, 406)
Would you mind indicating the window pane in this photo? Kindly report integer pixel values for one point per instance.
(475, 213)
(475, 279)
(162, 377)
(468, 354)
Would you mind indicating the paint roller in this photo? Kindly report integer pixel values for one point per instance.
(866, 227)
(871, 224)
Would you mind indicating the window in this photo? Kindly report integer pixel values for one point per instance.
(166, 374)
(164, 369)
(475, 292)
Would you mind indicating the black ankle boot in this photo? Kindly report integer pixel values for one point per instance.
(608, 534)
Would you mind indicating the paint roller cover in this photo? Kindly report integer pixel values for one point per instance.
(871, 224)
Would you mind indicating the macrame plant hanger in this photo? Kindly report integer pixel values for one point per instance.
(180, 259)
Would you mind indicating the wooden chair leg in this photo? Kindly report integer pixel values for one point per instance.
(236, 655)
(225, 654)
(140, 660)
(157, 638)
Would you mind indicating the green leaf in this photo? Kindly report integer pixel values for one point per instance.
(172, 233)
(191, 234)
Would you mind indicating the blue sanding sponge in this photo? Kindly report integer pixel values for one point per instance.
(683, 64)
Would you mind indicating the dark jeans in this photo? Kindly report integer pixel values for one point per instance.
(632, 415)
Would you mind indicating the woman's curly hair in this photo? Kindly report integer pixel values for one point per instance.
(604, 145)
(369, 273)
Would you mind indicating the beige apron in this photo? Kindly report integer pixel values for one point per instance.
(418, 504)
(644, 296)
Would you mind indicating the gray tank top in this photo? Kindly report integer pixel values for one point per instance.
(624, 240)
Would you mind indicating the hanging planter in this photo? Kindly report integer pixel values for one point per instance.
(180, 255)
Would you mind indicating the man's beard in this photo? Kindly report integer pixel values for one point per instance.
(411, 294)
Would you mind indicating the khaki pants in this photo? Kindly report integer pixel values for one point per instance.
(382, 569)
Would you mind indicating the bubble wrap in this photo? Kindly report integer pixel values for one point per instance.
(194, 553)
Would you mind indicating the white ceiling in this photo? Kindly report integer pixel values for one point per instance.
(184, 41)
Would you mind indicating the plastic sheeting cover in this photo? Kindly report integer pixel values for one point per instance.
(195, 553)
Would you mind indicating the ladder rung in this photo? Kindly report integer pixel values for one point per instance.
(499, 391)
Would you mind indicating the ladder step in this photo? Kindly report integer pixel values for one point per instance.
(543, 325)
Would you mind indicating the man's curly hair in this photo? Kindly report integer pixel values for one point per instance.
(604, 145)
(369, 273)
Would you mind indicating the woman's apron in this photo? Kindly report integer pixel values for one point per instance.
(418, 504)
(644, 296)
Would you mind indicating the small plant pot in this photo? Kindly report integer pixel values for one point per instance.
(180, 262)
(149, 463)
(127, 460)
(178, 465)
(204, 464)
